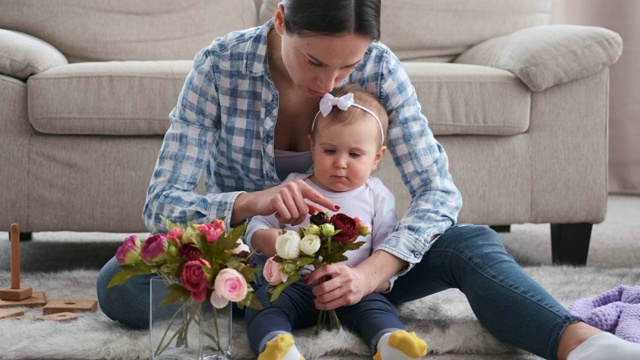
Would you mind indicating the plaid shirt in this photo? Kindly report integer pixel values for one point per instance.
(224, 124)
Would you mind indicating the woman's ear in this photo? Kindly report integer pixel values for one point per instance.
(278, 19)
(379, 155)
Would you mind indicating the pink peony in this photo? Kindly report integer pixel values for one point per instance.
(175, 234)
(213, 230)
(272, 272)
(230, 285)
(129, 251)
(194, 279)
(154, 248)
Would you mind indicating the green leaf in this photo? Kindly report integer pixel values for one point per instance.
(278, 289)
(176, 293)
(128, 271)
(305, 260)
(120, 278)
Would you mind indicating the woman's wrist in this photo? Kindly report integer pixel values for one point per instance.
(380, 267)
(242, 209)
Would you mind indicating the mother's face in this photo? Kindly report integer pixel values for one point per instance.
(317, 64)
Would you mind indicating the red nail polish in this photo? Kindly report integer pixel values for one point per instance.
(337, 207)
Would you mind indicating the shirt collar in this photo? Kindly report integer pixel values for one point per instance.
(256, 49)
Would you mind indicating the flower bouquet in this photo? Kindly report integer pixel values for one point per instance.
(324, 241)
(196, 262)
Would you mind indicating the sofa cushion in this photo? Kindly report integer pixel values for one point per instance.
(468, 99)
(109, 98)
(23, 55)
(545, 56)
(440, 30)
(127, 30)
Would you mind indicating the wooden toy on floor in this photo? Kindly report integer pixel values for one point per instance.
(69, 305)
(16, 294)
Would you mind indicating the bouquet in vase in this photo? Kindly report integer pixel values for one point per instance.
(324, 241)
(198, 263)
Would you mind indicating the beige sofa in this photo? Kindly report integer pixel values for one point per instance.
(520, 106)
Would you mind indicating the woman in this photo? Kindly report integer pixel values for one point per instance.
(240, 118)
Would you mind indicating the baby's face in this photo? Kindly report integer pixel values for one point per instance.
(344, 155)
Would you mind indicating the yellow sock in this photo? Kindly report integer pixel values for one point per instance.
(400, 345)
(282, 347)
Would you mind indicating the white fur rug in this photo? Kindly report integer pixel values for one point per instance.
(445, 320)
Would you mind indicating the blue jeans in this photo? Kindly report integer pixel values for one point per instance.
(371, 317)
(506, 301)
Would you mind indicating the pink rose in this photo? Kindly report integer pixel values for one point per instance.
(154, 248)
(175, 234)
(194, 279)
(272, 272)
(217, 301)
(213, 230)
(242, 247)
(129, 251)
(230, 285)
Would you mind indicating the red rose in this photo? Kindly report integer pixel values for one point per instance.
(189, 251)
(348, 227)
(194, 279)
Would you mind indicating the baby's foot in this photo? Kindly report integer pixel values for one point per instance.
(282, 347)
(400, 345)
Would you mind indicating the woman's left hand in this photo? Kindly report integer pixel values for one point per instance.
(338, 285)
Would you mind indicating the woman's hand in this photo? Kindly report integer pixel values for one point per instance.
(339, 285)
(292, 202)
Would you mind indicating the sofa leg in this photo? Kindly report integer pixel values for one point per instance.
(24, 236)
(501, 228)
(570, 243)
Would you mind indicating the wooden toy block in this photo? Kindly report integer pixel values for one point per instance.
(62, 316)
(37, 299)
(20, 293)
(6, 313)
(69, 305)
(15, 292)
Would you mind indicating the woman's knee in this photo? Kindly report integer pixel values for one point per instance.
(470, 239)
(127, 303)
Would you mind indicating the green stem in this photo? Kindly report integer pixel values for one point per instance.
(160, 349)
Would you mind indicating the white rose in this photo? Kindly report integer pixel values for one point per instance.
(310, 244)
(288, 245)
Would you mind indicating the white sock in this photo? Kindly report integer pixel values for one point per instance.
(281, 347)
(605, 346)
(400, 345)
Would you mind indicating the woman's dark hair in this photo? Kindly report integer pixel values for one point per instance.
(332, 17)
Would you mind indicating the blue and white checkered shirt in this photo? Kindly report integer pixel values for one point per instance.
(224, 124)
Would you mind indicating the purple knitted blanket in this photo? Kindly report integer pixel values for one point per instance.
(616, 311)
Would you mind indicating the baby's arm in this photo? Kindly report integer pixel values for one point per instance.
(264, 241)
(261, 234)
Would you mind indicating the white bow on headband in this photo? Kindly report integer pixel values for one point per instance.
(328, 101)
(343, 102)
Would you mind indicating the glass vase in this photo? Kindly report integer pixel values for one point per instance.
(187, 330)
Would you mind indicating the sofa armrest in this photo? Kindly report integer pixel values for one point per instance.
(545, 56)
(23, 55)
